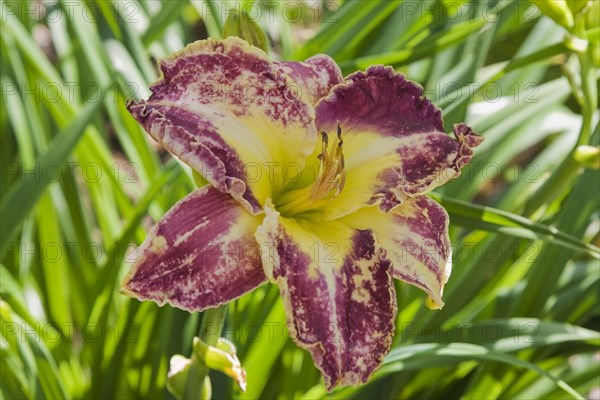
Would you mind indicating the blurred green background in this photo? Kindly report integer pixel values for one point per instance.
(82, 184)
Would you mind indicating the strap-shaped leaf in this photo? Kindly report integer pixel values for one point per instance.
(493, 220)
(21, 199)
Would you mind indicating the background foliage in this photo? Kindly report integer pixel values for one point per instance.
(81, 183)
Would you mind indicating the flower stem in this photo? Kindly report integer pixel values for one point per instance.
(570, 167)
(589, 89)
(212, 324)
(210, 331)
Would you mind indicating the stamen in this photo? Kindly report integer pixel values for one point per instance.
(331, 176)
(329, 183)
(322, 158)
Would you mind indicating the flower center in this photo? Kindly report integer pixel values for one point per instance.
(328, 182)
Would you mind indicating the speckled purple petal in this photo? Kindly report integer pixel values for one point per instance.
(385, 117)
(415, 237)
(338, 293)
(315, 77)
(202, 253)
(419, 246)
(226, 110)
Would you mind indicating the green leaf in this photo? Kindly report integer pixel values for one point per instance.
(21, 198)
(494, 220)
(427, 355)
(434, 44)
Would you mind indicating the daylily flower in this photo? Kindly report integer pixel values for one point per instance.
(317, 184)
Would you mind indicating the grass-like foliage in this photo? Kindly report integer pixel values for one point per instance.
(82, 184)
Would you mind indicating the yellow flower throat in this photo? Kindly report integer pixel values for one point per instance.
(329, 181)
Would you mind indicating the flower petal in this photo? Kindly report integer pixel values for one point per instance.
(338, 293)
(227, 111)
(315, 76)
(415, 237)
(202, 253)
(394, 142)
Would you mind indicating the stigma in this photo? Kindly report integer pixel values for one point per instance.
(331, 177)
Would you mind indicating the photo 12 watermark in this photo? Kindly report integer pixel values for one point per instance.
(68, 332)
(326, 252)
(68, 92)
(69, 171)
(52, 12)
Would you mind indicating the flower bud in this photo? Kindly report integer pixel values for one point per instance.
(576, 44)
(588, 156)
(221, 358)
(558, 10)
(177, 378)
(241, 25)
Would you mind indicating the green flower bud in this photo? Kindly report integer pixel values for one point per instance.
(558, 10)
(180, 369)
(588, 156)
(221, 358)
(241, 25)
(576, 44)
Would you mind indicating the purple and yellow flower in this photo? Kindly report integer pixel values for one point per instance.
(316, 183)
